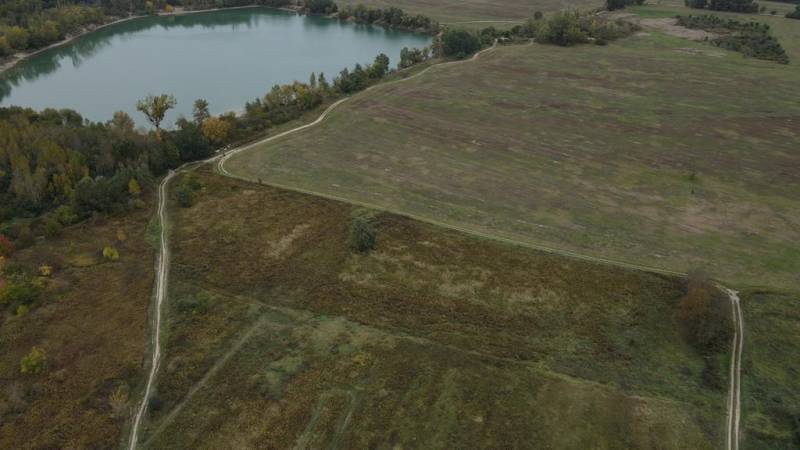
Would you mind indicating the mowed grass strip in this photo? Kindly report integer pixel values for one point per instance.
(653, 150)
(434, 339)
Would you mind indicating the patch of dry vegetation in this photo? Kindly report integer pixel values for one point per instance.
(431, 339)
(70, 362)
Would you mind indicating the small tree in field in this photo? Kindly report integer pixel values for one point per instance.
(33, 362)
(362, 235)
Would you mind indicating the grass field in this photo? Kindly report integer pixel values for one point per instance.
(653, 150)
(455, 11)
(91, 323)
(280, 337)
(771, 371)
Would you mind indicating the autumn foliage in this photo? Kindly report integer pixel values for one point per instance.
(6, 247)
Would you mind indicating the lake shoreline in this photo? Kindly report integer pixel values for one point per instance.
(17, 58)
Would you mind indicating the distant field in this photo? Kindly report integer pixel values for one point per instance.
(91, 323)
(280, 337)
(653, 150)
(471, 10)
(771, 371)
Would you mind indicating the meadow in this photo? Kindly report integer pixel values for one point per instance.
(90, 321)
(652, 150)
(280, 336)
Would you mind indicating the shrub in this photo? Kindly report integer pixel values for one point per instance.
(706, 315)
(19, 289)
(538, 15)
(563, 29)
(362, 235)
(749, 38)
(110, 253)
(794, 14)
(6, 247)
(459, 44)
(65, 215)
(184, 194)
(52, 227)
(34, 362)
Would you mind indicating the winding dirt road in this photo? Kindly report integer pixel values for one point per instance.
(732, 441)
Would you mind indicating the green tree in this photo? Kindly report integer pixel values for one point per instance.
(155, 107)
(362, 235)
(200, 111)
(380, 67)
(459, 43)
(34, 362)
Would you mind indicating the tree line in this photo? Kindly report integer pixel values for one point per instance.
(742, 6)
(752, 39)
(60, 168)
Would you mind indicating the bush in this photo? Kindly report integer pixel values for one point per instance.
(52, 227)
(362, 235)
(563, 29)
(19, 289)
(794, 14)
(706, 315)
(65, 215)
(34, 362)
(459, 44)
(749, 38)
(185, 196)
(6, 247)
(110, 253)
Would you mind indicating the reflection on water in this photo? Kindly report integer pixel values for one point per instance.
(193, 55)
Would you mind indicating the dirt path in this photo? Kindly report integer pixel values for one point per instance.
(734, 395)
(161, 286)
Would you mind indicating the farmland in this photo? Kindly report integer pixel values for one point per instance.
(642, 151)
(279, 336)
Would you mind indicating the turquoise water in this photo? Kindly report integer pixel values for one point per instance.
(227, 57)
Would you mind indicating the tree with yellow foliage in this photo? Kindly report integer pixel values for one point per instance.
(216, 130)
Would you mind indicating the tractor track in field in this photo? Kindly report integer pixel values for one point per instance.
(219, 162)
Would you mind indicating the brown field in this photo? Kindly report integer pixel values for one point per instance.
(91, 323)
(279, 336)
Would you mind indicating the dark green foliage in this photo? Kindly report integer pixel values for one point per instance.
(391, 17)
(321, 6)
(459, 44)
(410, 57)
(19, 289)
(706, 315)
(362, 235)
(573, 27)
(612, 5)
(743, 6)
(186, 192)
(794, 14)
(749, 38)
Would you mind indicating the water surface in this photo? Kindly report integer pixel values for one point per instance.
(227, 57)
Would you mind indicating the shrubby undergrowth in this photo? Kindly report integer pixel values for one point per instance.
(749, 38)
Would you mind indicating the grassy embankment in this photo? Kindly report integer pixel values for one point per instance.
(279, 335)
(91, 322)
(641, 151)
(771, 369)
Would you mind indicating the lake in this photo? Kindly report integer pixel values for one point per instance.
(228, 57)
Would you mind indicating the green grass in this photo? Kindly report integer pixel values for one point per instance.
(653, 150)
(771, 371)
(279, 336)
